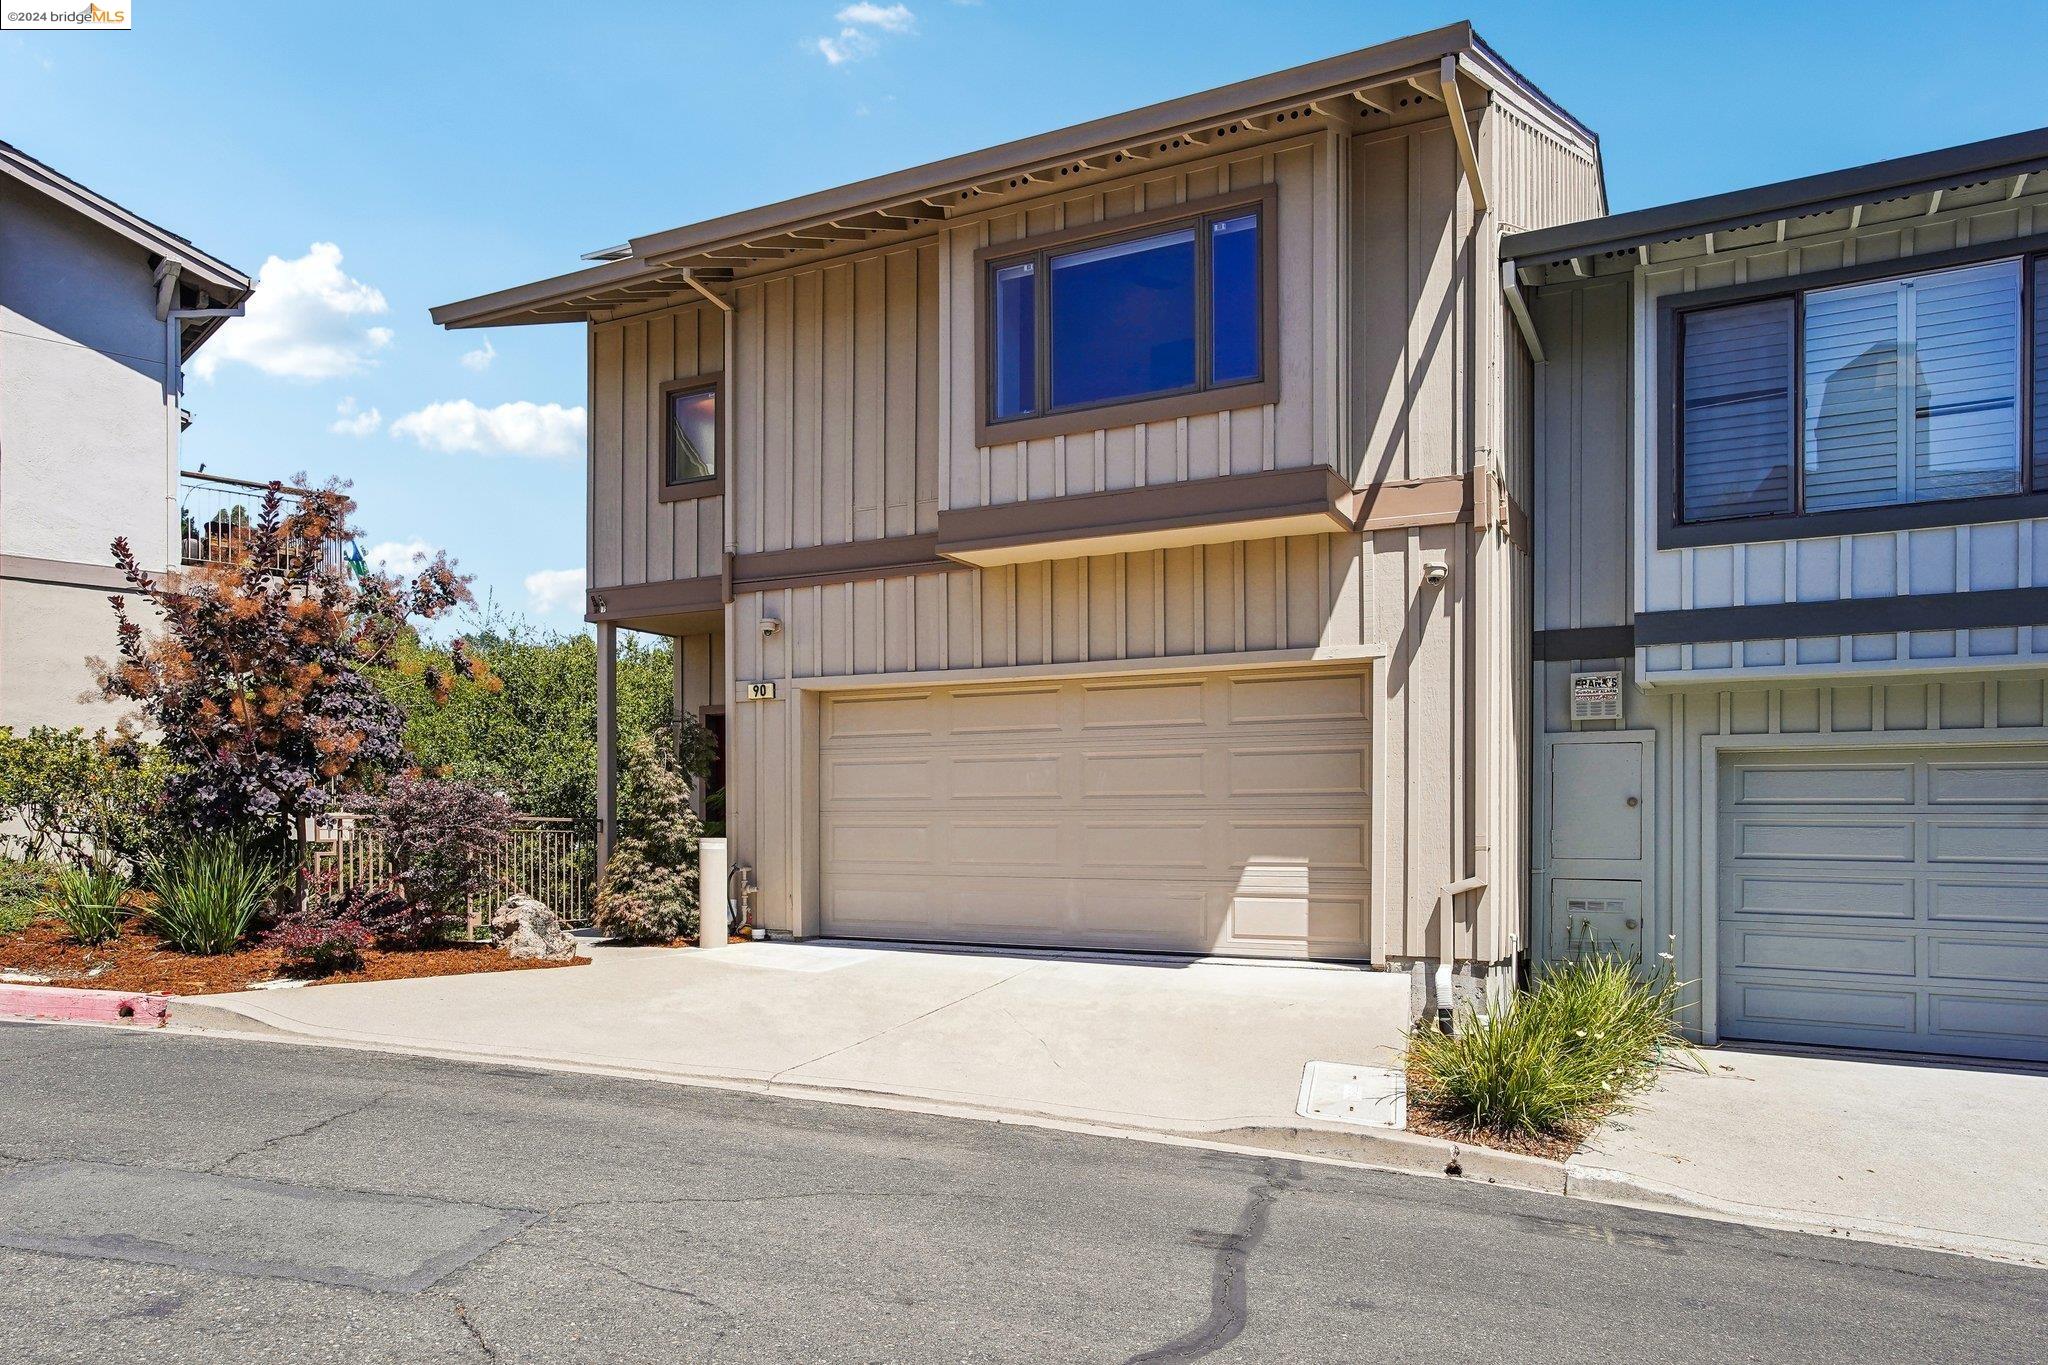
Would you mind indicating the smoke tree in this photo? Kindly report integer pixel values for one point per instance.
(255, 682)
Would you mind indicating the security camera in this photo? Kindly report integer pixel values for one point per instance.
(769, 626)
(1435, 570)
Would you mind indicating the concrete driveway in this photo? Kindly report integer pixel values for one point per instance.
(1164, 1045)
(1932, 1153)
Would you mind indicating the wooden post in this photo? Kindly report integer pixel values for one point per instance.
(607, 741)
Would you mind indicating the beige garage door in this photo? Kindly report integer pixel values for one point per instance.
(1222, 813)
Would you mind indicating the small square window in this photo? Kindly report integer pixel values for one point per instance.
(690, 449)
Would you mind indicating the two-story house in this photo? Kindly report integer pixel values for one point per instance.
(1113, 539)
(99, 311)
(1792, 598)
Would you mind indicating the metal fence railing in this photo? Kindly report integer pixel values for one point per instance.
(218, 515)
(545, 858)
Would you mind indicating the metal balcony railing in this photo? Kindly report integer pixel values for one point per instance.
(217, 518)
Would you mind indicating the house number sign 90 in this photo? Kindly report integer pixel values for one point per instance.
(761, 691)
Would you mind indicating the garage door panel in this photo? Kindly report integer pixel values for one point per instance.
(1866, 784)
(1109, 844)
(2013, 961)
(1280, 697)
(1790, 950)
(979, 776)
(1118, 706)
(1162, 776)
(1284, 919)
(2011, 784)
(1300, 770)
(870, 779)
(2012, 901)
(1106, 814)
(1004, 845)
(901, 715)
(1805, 1005)
(1824, 840)
(903, 842)
(1745, 893)
(1333, 844)
(2016, 842)
(1005, 713)
(1971, 1020)
(1921, 928)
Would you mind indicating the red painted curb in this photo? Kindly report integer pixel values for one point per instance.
(68, 1003)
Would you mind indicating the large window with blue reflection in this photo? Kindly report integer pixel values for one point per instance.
(1172, 309)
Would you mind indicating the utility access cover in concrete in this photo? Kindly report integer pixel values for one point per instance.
(1370, 1096)
(395, 1243)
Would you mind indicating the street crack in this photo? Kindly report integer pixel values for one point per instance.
(1228, 1296)
(317, 1126)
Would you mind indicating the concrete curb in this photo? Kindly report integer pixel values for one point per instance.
(1387, 1150)
(70, 1004)
(1601, 1185)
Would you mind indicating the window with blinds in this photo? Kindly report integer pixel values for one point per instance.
(1738, 381)
(1905, 390)
(1912, 389)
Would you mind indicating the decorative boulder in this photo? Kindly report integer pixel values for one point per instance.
(523, 927)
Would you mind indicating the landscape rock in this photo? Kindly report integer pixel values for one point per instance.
(525, 928)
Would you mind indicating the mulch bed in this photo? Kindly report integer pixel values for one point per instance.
(138, 961)
(1555, 1147)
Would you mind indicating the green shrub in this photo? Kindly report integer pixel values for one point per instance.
(209, 891)
(1562, 1055)
(25, 884)
(76, 796)
(649, 889)
(88, 900)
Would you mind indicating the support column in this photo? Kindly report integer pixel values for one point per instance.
(607, 741)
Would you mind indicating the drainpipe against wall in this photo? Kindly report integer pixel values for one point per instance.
(729, 544)
(1479, 587)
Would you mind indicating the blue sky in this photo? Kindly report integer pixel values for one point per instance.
(392, 156)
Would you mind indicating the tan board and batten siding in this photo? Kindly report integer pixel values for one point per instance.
(1910, 699)
(854, 403)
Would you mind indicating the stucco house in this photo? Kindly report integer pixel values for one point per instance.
(1791, 598)
(99, 311)
(1113, 539)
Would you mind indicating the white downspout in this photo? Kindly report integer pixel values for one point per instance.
(729, 533)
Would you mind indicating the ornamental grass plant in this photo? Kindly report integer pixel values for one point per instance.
(1564, 1054)
(209, 890)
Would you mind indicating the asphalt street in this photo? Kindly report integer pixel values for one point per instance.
(167, 1198)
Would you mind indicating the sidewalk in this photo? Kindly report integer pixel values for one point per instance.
(1177, 1046)
(1931, 1153)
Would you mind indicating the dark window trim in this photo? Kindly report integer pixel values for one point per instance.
(1195, 213)
(710, 485)
(1673, 533)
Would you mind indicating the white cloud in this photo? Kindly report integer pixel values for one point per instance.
(480, 359)
(306, 320)
(892, 18)
(552, 589)
(400, 556)
(542, 430)
(858, 24)
(850, 46)
(352, 420)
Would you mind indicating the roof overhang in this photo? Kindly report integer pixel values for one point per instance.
(222, 283)
(1382, 83)
(1953, 177)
